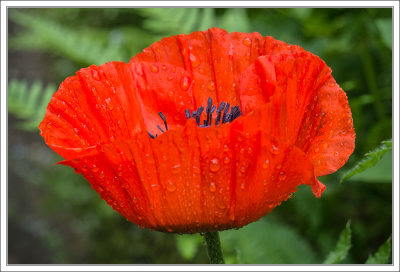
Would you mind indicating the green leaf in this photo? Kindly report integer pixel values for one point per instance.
(385, 29)
(83, 45)
(29, 103)
(266, 242)
(370, 159)
(173, 21)
(235, 20)
(188, 245)
(382, 255)
(342, 247)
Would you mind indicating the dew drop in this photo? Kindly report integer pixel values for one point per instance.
(247, 42)
(212, 187)
(226, 160)
(196, 170)
(171, 186)
(155, 187)
(242, 186)
(214, 165)
(211, 85)
(164, 68)
(176, 168)
(316, 150)
(184, 83)
(274, 149)
(243, 169)
(101, 175)
(194, 60)
(95, 75)
(154, 68)
(282, 176)
(266, 164)
(95, 168)
(279, 166)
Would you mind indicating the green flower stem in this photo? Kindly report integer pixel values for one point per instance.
(214, 249)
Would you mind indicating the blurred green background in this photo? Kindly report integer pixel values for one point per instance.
(55, 217)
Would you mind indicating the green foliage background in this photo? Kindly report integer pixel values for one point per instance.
(55, 217)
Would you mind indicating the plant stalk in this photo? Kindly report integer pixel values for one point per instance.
(214, 249)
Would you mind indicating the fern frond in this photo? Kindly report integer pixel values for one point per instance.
(85, 46)
(382, 255)
(235, 20)
(342, 247)
(173, 21)
(29, 103)
(369, 160)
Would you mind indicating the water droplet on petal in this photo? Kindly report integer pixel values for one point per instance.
(214, 165)
(95, 168)
(154, 68)
(155, 187)
(274, 149)
(247, 41)
(282, 176)
(212, 187)
(176, 168)
(101, 175)
(184, 83)
(194, 60)
(211, 85)
(242, 186)
(226, 160)
(171, 186)
(95, 75)
(266, 164)
(196, 170)
(164, 68)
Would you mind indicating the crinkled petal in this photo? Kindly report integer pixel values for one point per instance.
(215, 59)
(194, 179)
(114, 101)
(306, 107)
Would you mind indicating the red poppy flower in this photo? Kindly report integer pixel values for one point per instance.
(202, 132)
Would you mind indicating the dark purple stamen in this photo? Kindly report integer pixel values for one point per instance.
(225, 113)
(160, 128)
(222, 111)
(187, 113)
(151, 135)
(219, 110)
(162, 116)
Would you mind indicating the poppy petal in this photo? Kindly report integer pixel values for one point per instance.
(195, 179)
(215, 59)
(101, 104)
(306, 107)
